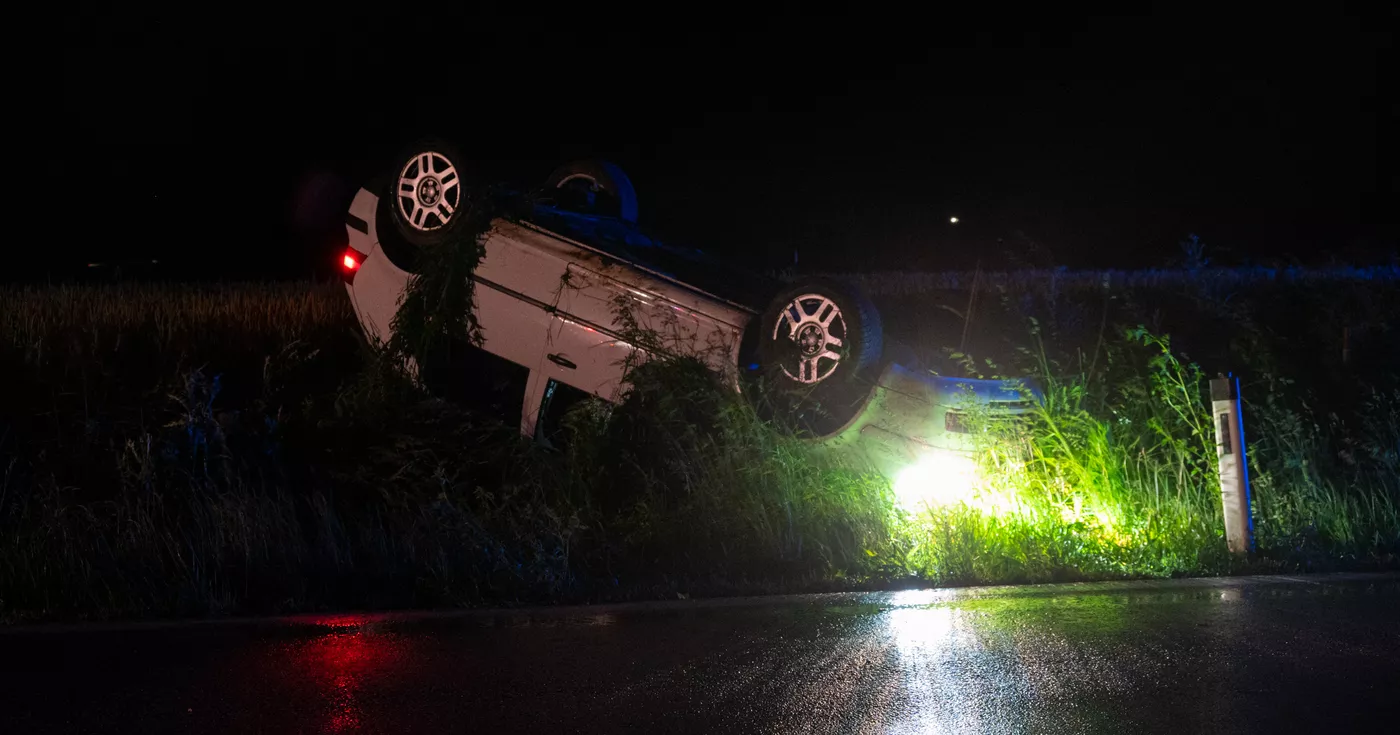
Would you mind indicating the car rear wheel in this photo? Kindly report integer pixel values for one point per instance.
(425, 197)
(818, 345)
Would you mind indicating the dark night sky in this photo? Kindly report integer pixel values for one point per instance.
(1073, 140)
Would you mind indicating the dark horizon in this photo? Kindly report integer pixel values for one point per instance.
(1075, 141)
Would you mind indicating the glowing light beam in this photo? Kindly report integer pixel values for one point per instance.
(937, 478)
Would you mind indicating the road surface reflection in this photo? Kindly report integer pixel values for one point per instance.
(349, 659)
(1081, 658)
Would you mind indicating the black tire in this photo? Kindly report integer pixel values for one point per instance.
(797, 386)
(607, 189)
(397, 232)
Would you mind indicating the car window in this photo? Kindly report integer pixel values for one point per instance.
(559, 398)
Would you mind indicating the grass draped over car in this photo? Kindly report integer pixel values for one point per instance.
(208, 449)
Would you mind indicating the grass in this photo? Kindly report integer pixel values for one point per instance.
(1115, 474)
(252, 455)
(187, 450)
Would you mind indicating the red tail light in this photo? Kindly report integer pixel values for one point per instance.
(350, 263)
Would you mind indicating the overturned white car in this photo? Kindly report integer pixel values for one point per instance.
(550, 285)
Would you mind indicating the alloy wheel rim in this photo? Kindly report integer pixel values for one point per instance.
(814, 324)
(429, 191)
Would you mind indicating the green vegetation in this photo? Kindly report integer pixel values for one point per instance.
(1114, 475)
(211, 449)
(263, 459)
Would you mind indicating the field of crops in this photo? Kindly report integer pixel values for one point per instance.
(196, 449)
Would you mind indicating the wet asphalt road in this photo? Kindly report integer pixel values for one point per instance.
(1243, 655)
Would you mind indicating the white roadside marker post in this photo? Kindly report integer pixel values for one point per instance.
(1234, 469)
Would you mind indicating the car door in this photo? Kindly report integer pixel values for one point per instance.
(585, 347)
(659, 315)
(515, 287)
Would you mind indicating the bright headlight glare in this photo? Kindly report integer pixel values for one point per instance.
(937, 478)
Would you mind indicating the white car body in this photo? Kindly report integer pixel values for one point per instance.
(548, 303)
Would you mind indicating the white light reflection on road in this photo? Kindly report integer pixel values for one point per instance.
(948, 683)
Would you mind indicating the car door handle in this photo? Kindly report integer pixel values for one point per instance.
(562, 362)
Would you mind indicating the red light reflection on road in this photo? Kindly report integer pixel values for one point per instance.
(342, 660)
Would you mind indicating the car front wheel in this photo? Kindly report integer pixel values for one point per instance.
(818, 345)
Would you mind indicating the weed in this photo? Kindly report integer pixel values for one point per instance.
(171, 449)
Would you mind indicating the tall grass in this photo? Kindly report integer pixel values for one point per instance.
(1114, 474)
(702, 487)
(1099, 480)
(206, 449)
(119, 492)
(213, 462)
